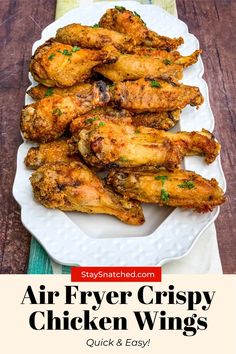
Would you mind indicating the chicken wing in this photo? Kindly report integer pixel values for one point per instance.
(48, 118)
(48, 153)
(56, 64)
(73, 187)
(93, 37)
(154, 96)
(134, 67)
(130, 23)
(106, 144)
(40, 91)
(178, 188)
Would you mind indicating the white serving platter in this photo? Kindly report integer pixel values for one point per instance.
(82, 239)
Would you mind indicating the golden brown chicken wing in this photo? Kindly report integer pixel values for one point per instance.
(73, 187)
(48, 118)
(56, 64)
(134, 67)
(157, 120)
(130, 23)
(93, 37)
(178, 188)
(106, 144)
(48, 153)
(40, 91)
(154, 96)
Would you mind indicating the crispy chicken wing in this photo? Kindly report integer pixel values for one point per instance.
(157, 120)
(106, 144)
(154, 96)
(48, 153)
(128, 22)
(56, 64)
(178, 188)
(73, 187)
(134, 67)
(40, 91)
(93, 37)
(48, 118)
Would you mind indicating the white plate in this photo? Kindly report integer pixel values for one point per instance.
(81, 239)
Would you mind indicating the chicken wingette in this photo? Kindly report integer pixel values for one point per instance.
(48, 153)
(106, 144)
(146, 95)
(93, 37)
(178, 188)
(48, 118)
(73, 187)
(40, 91)
(130, 23)
(57, 64)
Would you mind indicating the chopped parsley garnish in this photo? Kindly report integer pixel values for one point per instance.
(49, 92)
(135, 13)
(161, 178)
(51, 56)
(66, 52)
(187, 185)
(166, 61)
(75, 49)
(164, 195)
(123, 159)
(137, 131)
(57, 112)
(101, 124)
(155, 83)
(91, 120)
(96, 25)
(120, 8)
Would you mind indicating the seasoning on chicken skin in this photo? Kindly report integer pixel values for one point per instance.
(57, 64)
(157, 120)
(154, 96)
(178, 188)
(48, 153)
(40, 91)
(93, 37)
(48, 118)
(130, 23)
(73, 187)
(106, 144)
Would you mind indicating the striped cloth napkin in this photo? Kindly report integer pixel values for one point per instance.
(203, 258)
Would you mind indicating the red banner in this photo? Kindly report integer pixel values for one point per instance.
(115, 274)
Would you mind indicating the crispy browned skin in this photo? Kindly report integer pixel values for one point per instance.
(73, 187)
(40, 91)
(47, 153)
(141, 96)
(157, 120)
(125, 21)
(178, 188)
(169, 58)
(57, 64)
(93, 38)
(134, 67)
(107, 144)
(48, 118)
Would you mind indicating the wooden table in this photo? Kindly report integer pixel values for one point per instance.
(212, 22)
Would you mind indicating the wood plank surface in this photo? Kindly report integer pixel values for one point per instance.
(21, 23)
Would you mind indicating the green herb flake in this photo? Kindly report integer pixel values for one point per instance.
(96, 25)
(66, 52)
(155, 83)
(135, 13)
(164, 195)
(101, 124)
(90, 120)
(167, 62)
(120, 8)
(57, 112)
(161, 178)
(137, 131)
(51, 56)
(123, 159)
(75, 49)
(187, 185)
(49, 92)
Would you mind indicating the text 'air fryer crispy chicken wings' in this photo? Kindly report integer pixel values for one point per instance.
(57, 64)
(93, 37)
(130, 23)
(73, 187)
(178, 188)
(106, 144)
(154, 96)
(48, 118)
